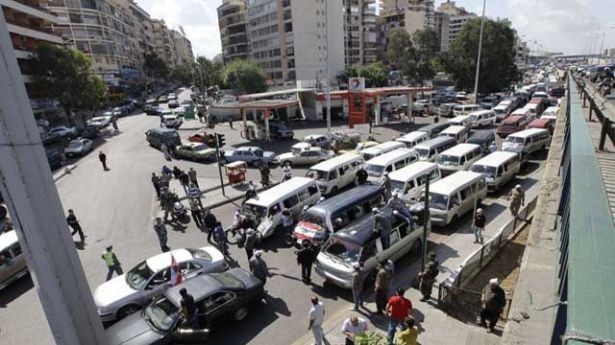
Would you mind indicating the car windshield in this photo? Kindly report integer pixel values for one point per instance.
(515, 140)
(448, 160)
(74, 145)
(199, 254)
(200, 147)
(295, 151)
(437, 201)
(398, 185)
(162, 314)
(138, 276)
(258, 212)
(319, 175)
(374, 170)
(483, 169)
(423, 153)
(227, 280)
(346, 251)
(313, 217)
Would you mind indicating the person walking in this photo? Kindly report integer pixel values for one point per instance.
(358, 282)
(370, 122)
(386, 184)
(259, 268)
(166, 202)
(165, 151)
(250, 241)
(195, 211)
(161, 232)
(156, 184)
(428, 277)
(230, 122)
(352, 327)
(220, 238)
(288, 223)
(192, 177)
(194, 193)
(361, 176)
(210, 222)
(517, 199)
(189, 309)
(410, 335)
(72, 221)
(383, 278)
(398, 309)
(184, 180)
(316, 318)
(265, 174)
(305, 258)
(493, 301)
(102, 157)
(479, 225)
(113, 264)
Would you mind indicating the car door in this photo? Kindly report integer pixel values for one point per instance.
(155, 285)
(217, 306)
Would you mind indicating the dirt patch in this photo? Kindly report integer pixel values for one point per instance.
(466, 304)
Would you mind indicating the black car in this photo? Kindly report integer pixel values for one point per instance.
(218, 297)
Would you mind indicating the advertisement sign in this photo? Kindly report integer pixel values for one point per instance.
(356, 84)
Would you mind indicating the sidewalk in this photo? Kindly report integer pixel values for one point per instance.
(211, 192)
(435, 326)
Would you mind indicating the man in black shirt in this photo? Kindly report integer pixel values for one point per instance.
(210, 222)
(189, 309)
(74, 224)
(479, 225)
(305, 258)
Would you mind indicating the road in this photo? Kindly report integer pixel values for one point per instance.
(117, 207)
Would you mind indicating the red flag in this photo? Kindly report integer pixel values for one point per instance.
(176, 273)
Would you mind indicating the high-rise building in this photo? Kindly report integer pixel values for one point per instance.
(456, 17)
(182, 47)
(294, 40)
(410, 15)
(233, 32)
(360, 32)
(441, 22)
(163, 42)
(29, 24)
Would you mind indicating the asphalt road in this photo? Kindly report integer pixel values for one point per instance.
(117, 207)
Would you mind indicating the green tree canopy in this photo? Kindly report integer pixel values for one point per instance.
(182, 74)
(64, 74)
(497, 68)
(245, 75)
(414, 56)
(210, 72)
(375, 74)
(154, 66)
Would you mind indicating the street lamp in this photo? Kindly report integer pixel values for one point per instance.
(328, 96)
(480, 48)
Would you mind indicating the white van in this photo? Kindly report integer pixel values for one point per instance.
(458, 158)
(550, 113)
(465, 109)
(498, 168)
(389, 162)
(455, 195)
(482, 118)
(430, 149)
(336, 173)
(413, 138)
(529, 116)
(266, 209)
(459, 133)
(380, 149)
(527, 141)
(461, 120)
(410, 181)
(14, 265)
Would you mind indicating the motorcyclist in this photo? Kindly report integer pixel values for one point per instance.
(607, 81)
(250, 192)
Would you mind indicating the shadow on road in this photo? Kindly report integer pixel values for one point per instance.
(15, 290)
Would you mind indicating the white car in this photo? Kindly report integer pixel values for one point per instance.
(172, 121)
(100, 122)
(79, 147)
(308, 156)
(127, 293)
(319, 140)
(62, 131)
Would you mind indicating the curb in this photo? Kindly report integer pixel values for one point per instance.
(228, 199)
(65, 171)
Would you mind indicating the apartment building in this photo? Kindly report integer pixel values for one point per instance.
(456, 17)
(410, 15)
(182, 47)
(293, 40)
(233, 30)
(29, 24)
(360, 32)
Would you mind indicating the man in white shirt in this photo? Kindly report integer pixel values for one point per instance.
(352, 327)
(317, 316)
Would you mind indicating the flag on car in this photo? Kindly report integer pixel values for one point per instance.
(176, 273)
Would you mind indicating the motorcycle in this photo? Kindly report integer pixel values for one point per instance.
(606, 88)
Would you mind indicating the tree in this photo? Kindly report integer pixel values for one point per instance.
(399, 48)
(154, 66)
(209, 72)
(497, 68)
(426, 50)
(64, 74)
(182, 74)
(245, 75)
(375, 74)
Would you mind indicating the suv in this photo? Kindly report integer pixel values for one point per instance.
(158, 136)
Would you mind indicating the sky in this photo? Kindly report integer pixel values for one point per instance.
(568, 26)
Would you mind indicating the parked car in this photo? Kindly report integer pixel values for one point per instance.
(203, 137)
(308, 156)
(544, 123)
(218, 297)
(63, 131)
(163, 99)
(279, 130)
(100, 122)
(171, 96)
(158, 136)
(253, 155)
(173, 104)
(119, 111)
(79, 147)
(196, 152)
(127, 293)
(14, 265)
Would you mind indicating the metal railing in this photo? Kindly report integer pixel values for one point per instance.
(476, 261)
(596, 105)
(587, 237)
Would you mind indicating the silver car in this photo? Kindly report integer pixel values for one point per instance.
(127, 293)
(79, 147)
(12, 261)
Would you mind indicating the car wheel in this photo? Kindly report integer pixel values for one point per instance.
(127, 310)
(240, 314)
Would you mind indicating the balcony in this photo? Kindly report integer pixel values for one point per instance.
(37, 33)
(29, 7)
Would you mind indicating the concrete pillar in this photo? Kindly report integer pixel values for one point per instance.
(377, 109)
(267, 114)
(31, 196)
(245, 122)
(410, 113)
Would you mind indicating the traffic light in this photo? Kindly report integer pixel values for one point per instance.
(220, 140)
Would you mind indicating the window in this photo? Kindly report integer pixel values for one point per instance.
(16, 249)
(400, 164)
(410, 185)
(160, 278)
(342, 171)
(273, 210)
(215, 301)
(291, 201)
(189, 267)
(389, 168)
(394, 237)
(466, 193)
(304, 194)
(312, 190)
(333, 175)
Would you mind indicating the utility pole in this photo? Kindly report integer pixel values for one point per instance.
(220, 143)
(34, 205)
(426, 224)
(480, 48)
(328, 71)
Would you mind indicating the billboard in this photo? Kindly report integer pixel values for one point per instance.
(356, 84)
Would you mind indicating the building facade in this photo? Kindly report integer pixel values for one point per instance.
(29, 24)
(449, 20)
(182, 48)
(233, 30)
(410, 15)
(360, 32)
(294, 40)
